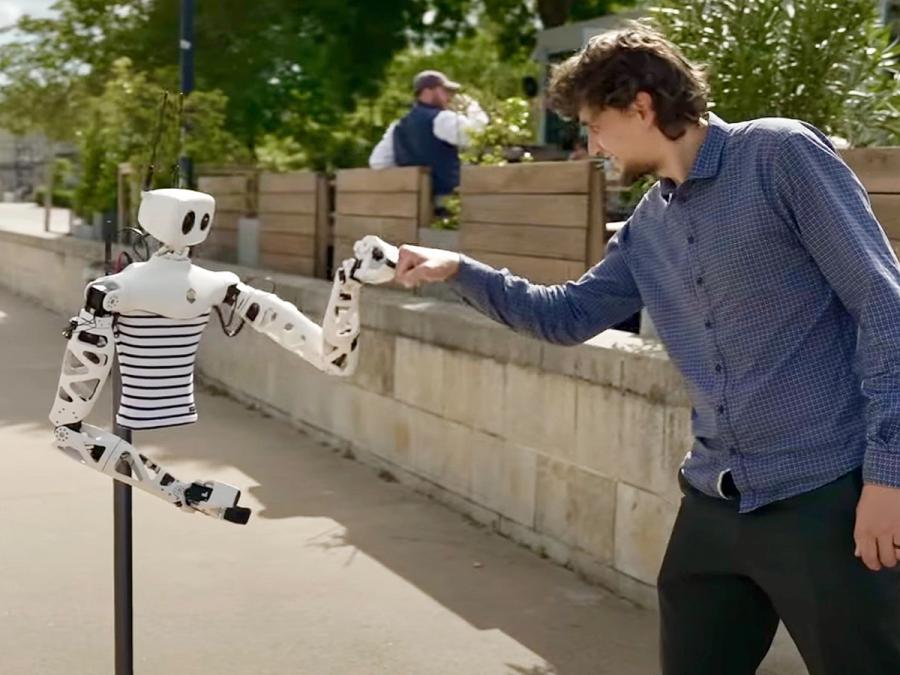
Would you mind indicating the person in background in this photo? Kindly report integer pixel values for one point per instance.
(432, 132)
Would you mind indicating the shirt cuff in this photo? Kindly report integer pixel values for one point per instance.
(471, 278)
(881, 466)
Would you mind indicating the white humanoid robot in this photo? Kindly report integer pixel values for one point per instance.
(154, 313)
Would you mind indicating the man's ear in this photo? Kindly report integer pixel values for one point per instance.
(643, 106)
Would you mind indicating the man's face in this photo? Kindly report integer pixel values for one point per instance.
(629, 136)
(443, 96)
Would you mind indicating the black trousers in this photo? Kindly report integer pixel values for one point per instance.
(727, 578)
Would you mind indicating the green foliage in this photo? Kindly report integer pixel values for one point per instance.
(829, 63)
(509, 127)
(124, 121)
(63, 198)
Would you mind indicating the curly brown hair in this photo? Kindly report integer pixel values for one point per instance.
(615, 66)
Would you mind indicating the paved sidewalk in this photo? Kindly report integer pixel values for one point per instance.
(28, 218)
(338, 572)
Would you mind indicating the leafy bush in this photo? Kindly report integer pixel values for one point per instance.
(830, 63)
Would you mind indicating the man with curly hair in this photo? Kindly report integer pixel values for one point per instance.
(777, 294)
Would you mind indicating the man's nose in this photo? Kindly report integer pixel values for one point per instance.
(595, 147)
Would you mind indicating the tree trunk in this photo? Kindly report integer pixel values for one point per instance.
(554, 12)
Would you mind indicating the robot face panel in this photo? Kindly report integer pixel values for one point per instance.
(177, 218)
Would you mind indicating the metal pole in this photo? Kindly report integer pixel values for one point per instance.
(186, 49)
(122, 536)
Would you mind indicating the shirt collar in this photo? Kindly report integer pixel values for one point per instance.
(709, 158)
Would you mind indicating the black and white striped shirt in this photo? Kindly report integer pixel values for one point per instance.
(156, 359)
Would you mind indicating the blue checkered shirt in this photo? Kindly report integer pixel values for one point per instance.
(774, 290)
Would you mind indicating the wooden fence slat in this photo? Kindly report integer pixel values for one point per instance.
(294, 182)
(877, 168)
(543, 242)
(538, 270)
(545, 210)
(287, 203)
(225, 221)
(343, 249)
(402, 205)
(531, 178)
(323, 226)
(287, 223)
(394, 230)
(222, 184)
(230, 203)
(287, 244)
(887, 210)
(287, 263)
(400, 179)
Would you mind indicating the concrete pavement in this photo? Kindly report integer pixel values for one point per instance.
(28, 218)
(338, 572)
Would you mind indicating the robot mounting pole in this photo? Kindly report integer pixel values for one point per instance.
(122, 533)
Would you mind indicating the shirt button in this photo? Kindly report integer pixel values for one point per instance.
(718, 367)
(732, 450)
(699, 280)
(721, 409)
(691, 239)
(708, 324)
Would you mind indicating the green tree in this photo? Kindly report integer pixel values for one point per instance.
(832, 64)
(124, 120)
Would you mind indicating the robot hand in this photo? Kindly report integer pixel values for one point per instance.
(374, 261)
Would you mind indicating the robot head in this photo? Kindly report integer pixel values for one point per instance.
(177, 218)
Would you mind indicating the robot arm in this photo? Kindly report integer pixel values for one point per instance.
(332, 347)
(86, 366)
(88, 359)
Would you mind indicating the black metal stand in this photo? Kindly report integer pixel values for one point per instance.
(122, 551)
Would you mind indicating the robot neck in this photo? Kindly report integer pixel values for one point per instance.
(173, 253)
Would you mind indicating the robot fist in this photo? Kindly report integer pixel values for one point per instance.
(374, 260)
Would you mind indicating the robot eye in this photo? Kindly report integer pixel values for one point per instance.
(188, 223)
(205, 222)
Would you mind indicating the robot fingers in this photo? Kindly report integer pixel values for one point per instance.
(374, 260)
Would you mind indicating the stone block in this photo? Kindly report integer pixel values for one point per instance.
(576, 507)
(679, 438)
(419, 374)
(441, 450)
(643, 525)
(643, 461)
(504, 477)
(654, 376)
(599, 419)
(540, 411)
(587, 362)
(473, 391)
(381, 425)
(375, 371)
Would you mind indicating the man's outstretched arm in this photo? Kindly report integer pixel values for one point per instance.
(567, 313)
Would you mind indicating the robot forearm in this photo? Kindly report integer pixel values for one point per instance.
(115, 457)
(284, 323)
(332, 347)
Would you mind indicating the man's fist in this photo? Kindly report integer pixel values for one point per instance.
(417, 265)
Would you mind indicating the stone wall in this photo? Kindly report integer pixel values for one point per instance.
(570, 451)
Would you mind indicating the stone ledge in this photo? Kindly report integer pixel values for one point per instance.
(613, 358)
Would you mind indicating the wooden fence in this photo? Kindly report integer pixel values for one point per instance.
(544, 221)
(234, 199)
(879, 171)
(390, 203)
(294, 221)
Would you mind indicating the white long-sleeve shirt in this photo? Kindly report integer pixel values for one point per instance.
(452, 127)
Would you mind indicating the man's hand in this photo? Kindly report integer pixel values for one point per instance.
(877, 532)
(418, 265)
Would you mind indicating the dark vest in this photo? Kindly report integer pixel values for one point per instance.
(416, 145)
